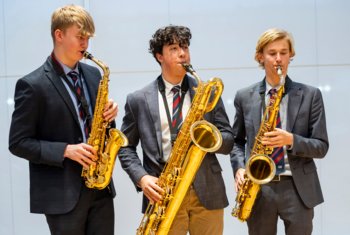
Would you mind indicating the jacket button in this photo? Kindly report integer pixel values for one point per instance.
(80, 139)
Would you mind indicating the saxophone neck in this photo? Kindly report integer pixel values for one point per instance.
(102, 65)
(189, 69)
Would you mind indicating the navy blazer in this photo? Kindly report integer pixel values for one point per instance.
(306, 119)
(142, 123)
(44, 122)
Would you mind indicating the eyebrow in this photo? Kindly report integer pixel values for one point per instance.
(273, 50)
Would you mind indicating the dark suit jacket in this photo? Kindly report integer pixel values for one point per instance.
(142, 123)
(305, 119)
(43, 123)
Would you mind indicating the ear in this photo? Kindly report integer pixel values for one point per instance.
(159, 57)
(261, 58)
(58, 35)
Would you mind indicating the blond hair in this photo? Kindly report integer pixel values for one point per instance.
(66, 16)
(272, 35)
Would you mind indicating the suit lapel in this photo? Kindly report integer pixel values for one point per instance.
(192, 84)
(258, 99)
(90, 81)
(61, 89)
(295, 95)
(151, 97)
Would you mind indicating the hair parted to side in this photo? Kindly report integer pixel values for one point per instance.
(272, 35)
(169, 35)
(66, 16)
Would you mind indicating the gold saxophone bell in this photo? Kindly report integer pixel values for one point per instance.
(260, 169)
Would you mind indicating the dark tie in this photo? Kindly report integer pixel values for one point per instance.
(278, 153)
(177, 113)
(80, 98)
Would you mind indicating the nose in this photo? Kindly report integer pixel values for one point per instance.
(278, 57)
(181, 52)
(84, 42)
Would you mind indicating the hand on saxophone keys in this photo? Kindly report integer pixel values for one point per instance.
(277, 138)
(111, 110)
(239, 178)
(150, 188)
(82, 153)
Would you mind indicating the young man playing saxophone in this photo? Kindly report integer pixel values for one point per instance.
(147, 119)
(50, 127)
(295, 190)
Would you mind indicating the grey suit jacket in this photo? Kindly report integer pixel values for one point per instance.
(142, 123)
(305, 119)
(43, 123)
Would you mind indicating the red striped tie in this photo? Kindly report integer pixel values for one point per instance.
(177, 114)
(74, 75)
(278, 153)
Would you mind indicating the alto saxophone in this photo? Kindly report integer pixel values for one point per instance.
(185, 157)
(107, 147)
(260, 168)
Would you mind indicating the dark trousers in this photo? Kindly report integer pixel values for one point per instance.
(93, 215)
(280, 199)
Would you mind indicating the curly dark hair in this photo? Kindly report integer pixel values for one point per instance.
(169, 35)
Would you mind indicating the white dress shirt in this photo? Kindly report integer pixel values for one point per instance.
(166, 139)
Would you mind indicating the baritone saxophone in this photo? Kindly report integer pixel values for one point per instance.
(196, 137)
(107, 147)
(260, 168)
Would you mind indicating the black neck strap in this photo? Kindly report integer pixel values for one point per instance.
(81, 98)
(184, 88)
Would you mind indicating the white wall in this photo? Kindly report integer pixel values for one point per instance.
(224, 38)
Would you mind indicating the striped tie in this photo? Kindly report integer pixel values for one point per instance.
(278, 153)
(79, 92)
(177, 114)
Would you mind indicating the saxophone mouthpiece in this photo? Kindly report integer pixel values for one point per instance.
(87, 55)
(280, 74)
(279, 70)
(188, 68)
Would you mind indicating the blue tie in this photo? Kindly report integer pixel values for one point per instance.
(79, 92)
(278, 153)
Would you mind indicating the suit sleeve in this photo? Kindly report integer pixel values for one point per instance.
(128, 156)
(23, 138)
(239, 134)
(222, 122)
(315, 143)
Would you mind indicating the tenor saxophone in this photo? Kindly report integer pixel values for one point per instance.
(196, 137)
(107, 147)
(260, 168)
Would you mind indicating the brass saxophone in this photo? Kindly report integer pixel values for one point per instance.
(107, 147)
(260, 168)
(185, 157)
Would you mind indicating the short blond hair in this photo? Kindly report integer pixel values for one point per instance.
(66, 16)
(272, 35)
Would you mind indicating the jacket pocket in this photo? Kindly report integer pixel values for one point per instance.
(309, 167)
(216, 167)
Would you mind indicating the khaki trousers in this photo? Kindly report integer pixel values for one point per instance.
(194, 218)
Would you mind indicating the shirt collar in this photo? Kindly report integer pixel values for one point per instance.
(169, 86)
(66, 69)
(269, 87)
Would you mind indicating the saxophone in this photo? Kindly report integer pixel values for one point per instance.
(185, 157)
(260, 168)
(99, 176)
